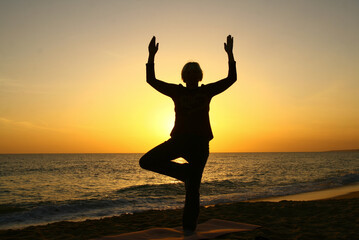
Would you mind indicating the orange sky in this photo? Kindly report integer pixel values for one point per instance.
(72, 73)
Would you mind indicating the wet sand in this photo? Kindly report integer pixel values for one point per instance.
(348, 191)
(334, 218)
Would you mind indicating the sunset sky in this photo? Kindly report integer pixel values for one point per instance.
(72, 73)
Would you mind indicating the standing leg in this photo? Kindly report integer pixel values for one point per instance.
(197, 159)
(159, 159)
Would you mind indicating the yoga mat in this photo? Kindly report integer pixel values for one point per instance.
(207, 230)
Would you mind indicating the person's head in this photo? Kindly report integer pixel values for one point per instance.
(192, 73)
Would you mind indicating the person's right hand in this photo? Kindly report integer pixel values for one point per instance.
(228, 47)
(153, 47)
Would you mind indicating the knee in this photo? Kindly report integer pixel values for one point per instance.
(145, 162)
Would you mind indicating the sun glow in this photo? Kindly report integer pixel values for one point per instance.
(78, 83)
(158, 119)
(162, 122)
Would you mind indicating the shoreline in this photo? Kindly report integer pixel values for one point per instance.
(347, 191)
(280, 218)
(342, 192)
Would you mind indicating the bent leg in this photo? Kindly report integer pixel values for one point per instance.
(159, 160)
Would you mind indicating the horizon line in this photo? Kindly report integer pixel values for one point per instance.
(337, 150)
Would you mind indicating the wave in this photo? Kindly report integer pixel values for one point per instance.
(126, 200)
(153, 190)
(177, 189)
(159, 196)
(348, 178)
(47, 212)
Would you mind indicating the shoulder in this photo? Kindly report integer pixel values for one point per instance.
(177, 90)
(204, 88)
(180, 88)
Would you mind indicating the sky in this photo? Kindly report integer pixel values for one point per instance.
(72, 73)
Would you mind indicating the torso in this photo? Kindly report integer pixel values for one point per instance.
(192, 112)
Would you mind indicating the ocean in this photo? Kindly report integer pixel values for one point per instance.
(43, 188)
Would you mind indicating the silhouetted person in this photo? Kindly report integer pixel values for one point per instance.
(192, 131)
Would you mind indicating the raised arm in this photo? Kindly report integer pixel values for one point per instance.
(222, 85)
(163, 87)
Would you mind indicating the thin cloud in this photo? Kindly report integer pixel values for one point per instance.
(14, 86)
(112, 54)
(28, 125)
(8, 84)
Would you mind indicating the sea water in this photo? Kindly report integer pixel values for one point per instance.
(43, 188)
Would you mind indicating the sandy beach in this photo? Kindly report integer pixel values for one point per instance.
(333, 218)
